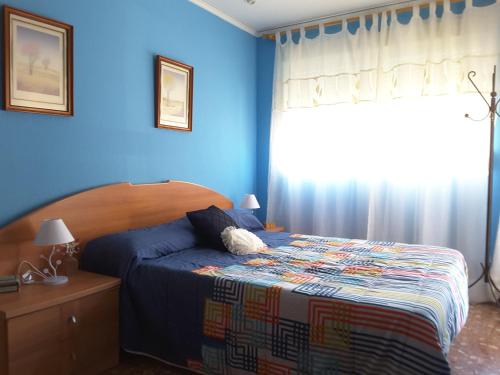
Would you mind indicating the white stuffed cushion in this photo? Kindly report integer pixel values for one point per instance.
(240, 241)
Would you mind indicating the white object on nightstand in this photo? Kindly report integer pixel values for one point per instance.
(53, 232)
(249, 201)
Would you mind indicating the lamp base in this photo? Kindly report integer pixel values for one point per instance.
(55, 280)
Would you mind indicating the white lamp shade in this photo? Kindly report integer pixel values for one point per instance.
(53, 232)
(249, 201)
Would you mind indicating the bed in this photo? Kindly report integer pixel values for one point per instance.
(304, 305)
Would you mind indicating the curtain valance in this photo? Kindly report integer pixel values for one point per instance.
(388, 58)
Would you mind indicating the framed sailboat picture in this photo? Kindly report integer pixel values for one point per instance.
(174, 94)
(38, 63)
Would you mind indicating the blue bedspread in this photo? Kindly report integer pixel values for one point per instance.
(161, 300)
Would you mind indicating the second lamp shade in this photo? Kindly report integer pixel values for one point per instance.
(249, 201)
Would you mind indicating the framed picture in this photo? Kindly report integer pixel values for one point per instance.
(174, 94)
(38, 64)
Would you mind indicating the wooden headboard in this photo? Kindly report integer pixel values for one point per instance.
(104, 210)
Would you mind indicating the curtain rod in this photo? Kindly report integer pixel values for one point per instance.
(315, 22)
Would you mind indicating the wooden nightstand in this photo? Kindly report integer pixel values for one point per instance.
(273, 228)
(65, 329)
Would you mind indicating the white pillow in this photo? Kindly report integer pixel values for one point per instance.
(240, 241)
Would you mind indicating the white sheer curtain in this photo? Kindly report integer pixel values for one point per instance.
(369, 138)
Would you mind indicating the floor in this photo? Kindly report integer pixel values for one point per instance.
(476, 351)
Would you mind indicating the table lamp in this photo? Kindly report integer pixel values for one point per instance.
(53, 232)
(249, 201)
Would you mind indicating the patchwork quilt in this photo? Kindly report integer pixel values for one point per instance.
(334, 306)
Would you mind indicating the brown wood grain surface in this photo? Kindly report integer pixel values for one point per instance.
(105, 210)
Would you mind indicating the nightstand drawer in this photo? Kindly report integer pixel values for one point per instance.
(91, 327)
(76, 337)
(35, 343)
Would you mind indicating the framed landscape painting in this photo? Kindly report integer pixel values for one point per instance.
(38, 64)
(174, 94)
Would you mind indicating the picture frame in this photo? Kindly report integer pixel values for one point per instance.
(174, 94)
(38, 63)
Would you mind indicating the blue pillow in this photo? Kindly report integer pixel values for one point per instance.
(209, 224)
(114, 253)
(245, 219)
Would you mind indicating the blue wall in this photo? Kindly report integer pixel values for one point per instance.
(265, 72)
(112, 137)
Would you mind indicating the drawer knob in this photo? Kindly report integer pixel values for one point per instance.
(73, 356)
(72, 319)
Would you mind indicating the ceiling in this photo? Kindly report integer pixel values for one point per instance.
(268, 14)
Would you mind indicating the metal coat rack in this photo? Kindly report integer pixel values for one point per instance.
(492, 113)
